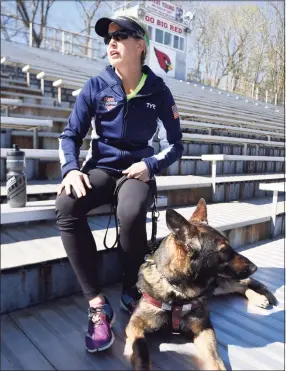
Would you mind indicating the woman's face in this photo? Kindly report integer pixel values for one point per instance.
(124, 52)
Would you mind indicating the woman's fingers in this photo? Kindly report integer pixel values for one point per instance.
(79, 188)
(86, 180)
(68, 188)
(76, 180)
(126, 171)
(60, 188)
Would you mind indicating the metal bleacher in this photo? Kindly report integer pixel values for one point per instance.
(232, 145)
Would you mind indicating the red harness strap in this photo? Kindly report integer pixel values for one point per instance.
(175, 309)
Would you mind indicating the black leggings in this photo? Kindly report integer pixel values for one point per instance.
(134, 199)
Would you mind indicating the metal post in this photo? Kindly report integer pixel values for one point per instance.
(30, 34)
(256, 93)
(54, 39)
(275, 99)
(252, 91)
(213, 175)
(274, 207)
(8, 138)
(60, 95)
(35, 138)
(63, 42)
(28, 79)
(43, 86)
(245, 149)
(71, 44)
(266, 96)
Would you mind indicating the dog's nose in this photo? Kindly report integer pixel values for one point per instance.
(252, 268)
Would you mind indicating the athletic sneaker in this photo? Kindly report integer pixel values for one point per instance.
(99, 335)
(129, 299)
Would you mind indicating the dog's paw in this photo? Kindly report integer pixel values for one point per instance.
(270, 297)
(257, 299)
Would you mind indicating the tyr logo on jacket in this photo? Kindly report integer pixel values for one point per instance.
(149, 105)
(122, 129)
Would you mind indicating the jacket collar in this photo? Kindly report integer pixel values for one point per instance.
(153, 83)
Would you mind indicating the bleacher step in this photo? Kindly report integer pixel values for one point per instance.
(34, 266)
(45, 210)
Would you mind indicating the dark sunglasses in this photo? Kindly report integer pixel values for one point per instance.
(120, 35)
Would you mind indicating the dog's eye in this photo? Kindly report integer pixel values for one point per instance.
(225, 254)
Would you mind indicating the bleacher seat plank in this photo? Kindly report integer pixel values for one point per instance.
(226, 114)
(280, 187)
(234, 140)
(22, 88)
(14, 122)
(164, 183)
(223, 216)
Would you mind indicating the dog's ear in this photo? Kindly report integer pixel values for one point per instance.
(184, 232)
(200, 214)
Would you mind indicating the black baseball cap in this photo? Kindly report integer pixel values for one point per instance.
(129, 23)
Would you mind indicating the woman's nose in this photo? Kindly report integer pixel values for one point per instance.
(112, 42)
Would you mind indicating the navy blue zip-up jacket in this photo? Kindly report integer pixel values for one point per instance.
(122, 130)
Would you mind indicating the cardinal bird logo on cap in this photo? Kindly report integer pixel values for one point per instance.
(164, 61)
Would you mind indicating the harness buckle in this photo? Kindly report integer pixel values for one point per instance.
(187, 307)
(166, 306)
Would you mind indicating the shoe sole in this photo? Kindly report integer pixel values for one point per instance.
(107, 345)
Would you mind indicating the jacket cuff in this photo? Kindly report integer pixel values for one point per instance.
(151, 163)
(67, 168)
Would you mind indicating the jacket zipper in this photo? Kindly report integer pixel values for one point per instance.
(124, 121)
(126, 102)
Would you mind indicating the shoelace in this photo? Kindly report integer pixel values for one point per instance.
(95, 315)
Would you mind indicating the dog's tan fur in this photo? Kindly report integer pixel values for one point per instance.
(173, 275)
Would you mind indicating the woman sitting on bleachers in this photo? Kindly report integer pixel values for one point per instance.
(126, 104)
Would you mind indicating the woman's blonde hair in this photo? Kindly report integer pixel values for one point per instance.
(145, 37)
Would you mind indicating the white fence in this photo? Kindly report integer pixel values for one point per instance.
(66, 42)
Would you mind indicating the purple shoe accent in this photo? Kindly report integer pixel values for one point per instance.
(99, 335)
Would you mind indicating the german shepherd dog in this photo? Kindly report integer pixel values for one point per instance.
(194, 262)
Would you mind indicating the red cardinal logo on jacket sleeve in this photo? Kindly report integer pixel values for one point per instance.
(164, 60)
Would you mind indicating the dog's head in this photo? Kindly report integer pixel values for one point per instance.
(209, 250)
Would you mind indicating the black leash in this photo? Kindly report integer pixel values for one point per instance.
(152, 244)
(113, 211)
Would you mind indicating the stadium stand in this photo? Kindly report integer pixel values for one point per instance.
(232, 146)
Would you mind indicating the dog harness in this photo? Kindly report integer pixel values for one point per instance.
(176, 310)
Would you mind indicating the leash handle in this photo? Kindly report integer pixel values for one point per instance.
(113, 212)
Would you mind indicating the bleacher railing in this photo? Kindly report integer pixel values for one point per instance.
(66, 42)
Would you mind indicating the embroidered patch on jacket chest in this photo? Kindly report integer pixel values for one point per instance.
(108, 103)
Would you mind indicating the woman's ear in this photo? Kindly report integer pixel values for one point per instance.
(142, 46)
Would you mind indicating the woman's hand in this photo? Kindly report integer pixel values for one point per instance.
(138, 171)
(77, 180)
